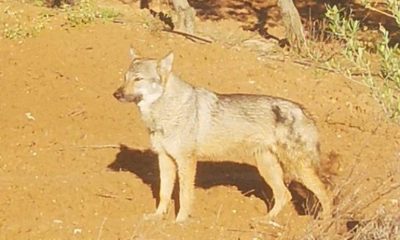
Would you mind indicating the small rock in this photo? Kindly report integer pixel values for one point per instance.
(29, 116)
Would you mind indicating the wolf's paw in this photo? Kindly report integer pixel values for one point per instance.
(186, 222)
(182, 218)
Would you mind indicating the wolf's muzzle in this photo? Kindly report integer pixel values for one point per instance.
(120, 96)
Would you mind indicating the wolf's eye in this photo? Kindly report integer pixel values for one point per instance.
(137, 79)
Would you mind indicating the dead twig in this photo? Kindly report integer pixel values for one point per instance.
(248, 192)
(103, 195)
(112, 196)
(101, 146)
(380, 11)
(386, 191)
(189, 36)
(101, 228)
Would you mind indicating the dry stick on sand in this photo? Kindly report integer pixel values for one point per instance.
(380, 11)
(101, 228)
(100, 146)
(312, 64)
(189, 36)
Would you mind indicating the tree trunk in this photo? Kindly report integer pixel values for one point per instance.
(58, 3)
(292, 22)
(186, 16)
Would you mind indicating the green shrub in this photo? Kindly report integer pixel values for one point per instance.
(385, 85)
(87, 12)
(16, 24)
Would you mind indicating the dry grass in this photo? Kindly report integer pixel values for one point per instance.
(354, 215)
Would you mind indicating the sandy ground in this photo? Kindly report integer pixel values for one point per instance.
(59, 179)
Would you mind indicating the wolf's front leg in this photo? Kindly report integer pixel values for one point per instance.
(187, 174)
(167, 168)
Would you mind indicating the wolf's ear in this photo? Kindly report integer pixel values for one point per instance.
(132, 53)
(166, 63)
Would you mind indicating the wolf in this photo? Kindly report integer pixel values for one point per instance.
(188, 123)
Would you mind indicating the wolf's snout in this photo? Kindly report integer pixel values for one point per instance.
(123, 97)
(118, 94)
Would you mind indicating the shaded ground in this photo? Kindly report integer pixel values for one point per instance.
(57, 113)
(264, 15)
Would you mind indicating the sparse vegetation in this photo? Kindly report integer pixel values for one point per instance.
(153, 24)
(18, 24)
(377, 65)
(86, 12)
(384, 225)
(351, 222)
(38, 3)
(385, 85)
(15, 23)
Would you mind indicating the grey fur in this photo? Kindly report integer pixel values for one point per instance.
(188, 123)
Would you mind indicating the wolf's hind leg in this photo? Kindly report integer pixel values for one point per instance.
(310, 179)
(272, 172)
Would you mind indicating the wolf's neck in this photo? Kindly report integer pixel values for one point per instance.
(147, 104)
(176, 89)
(145, 107)
(174, 94)
(148, 99)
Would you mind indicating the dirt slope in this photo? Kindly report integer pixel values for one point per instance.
(56, 108)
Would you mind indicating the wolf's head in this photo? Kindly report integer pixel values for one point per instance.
(145, 79)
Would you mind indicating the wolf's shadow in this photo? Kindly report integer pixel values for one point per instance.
(144, 164)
